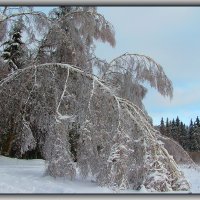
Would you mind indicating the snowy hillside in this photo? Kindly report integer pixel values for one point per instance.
(27, 176)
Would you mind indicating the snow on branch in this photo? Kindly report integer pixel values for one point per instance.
(116, 142)
(142, 68)
(98, 26)
(21, 14)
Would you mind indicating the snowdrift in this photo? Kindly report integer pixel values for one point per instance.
(40, 105)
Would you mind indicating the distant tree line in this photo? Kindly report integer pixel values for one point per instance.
(187, 136)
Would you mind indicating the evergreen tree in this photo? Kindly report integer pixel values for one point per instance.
(173, 129)
(183, 137)
(178, 130)
(162, 127)
(193, 143)
(14, 53)
(167, 129)
(196, 135)
(187, 136)
(197, 123)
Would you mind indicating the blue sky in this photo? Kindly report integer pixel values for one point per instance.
(171, 36)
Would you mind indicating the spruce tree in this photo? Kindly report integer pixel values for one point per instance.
(167, 128)
(178, 131)
(197, 122)
(183, 139)
(196, 135)
(14, 53)
(162, 127)
(193, 145)
(187, 136)
(173, 129)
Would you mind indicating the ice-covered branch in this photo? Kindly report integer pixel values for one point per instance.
(117, 143)
(63, 93)
(21, 14)
(142, 68)
(34, 86)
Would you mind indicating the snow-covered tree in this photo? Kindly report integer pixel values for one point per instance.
(117, 144)
(71, 36)
(28, 27)
(127, 72)
(42, 103)
(15, 52)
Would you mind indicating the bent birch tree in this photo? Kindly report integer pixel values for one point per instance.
(39, 106)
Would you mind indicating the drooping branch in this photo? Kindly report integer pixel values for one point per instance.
(111, 128)
(142, 68)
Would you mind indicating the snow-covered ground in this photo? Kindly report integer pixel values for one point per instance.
(193, 177)
(27, 176)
